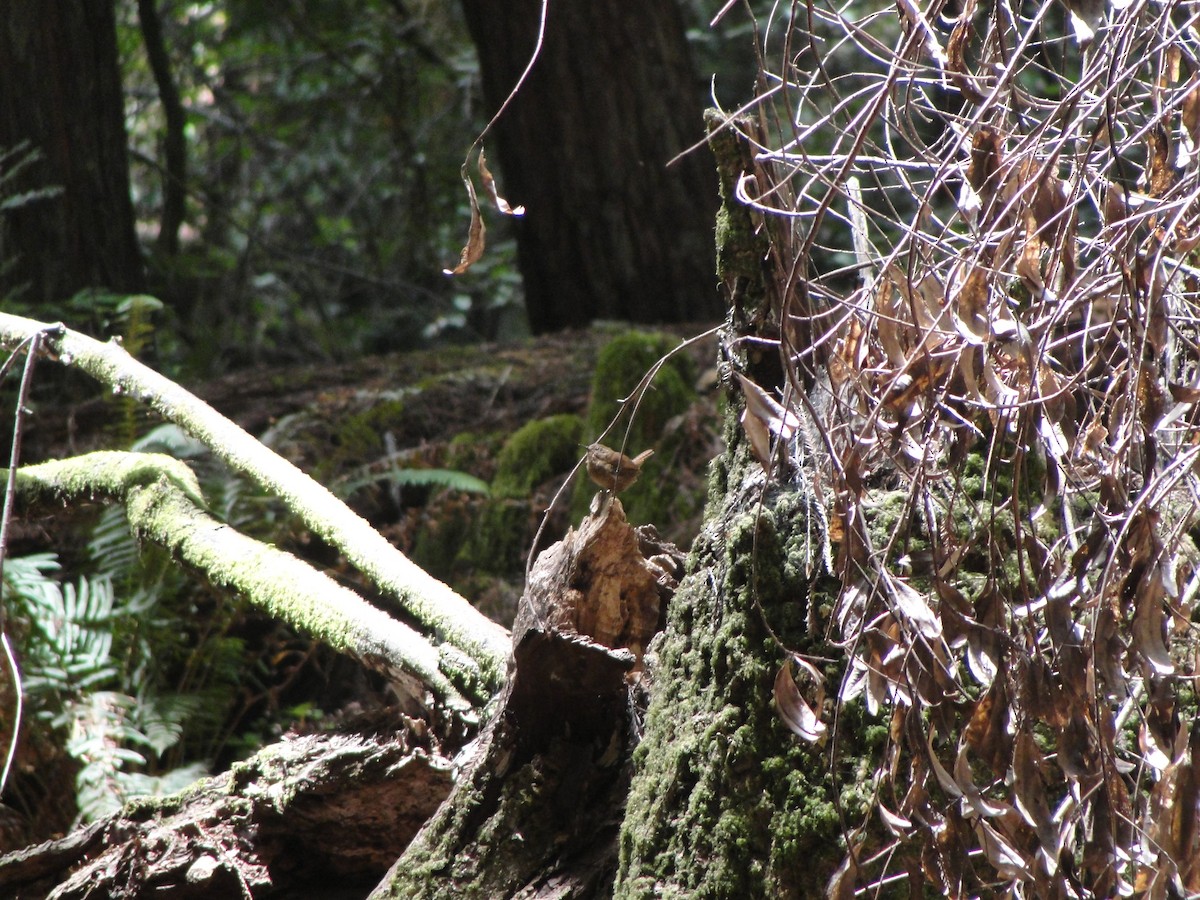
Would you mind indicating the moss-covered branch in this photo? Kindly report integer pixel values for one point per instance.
(163, 502)
(475, 648)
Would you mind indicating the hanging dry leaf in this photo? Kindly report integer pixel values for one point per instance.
(1149, 626)
(1029, 791)
(796, 712)
(1190, 114)
(897, 825)
(944, 778)
(489, 185)
(970, 304)
(887, 325)
(763, 418)
(956, 63)
(1004, 857)
(473, 251)
(1159, 174)
(914, 608)
(984, 176)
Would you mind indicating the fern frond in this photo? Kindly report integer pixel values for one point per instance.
(445, 478)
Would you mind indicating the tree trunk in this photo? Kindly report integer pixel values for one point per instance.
(726, 801)
(62, 98)
(611, 231)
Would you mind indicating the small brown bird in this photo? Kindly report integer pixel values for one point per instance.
(611, 470)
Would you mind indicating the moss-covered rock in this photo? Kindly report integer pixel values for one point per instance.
(534, 454)
(497, 538)
(622, 364)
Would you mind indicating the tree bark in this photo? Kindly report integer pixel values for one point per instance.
(536, 812)
(725, 800)
(174, 182)
(611, 230)
(62, 97)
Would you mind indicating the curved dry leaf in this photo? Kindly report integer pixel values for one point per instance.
(1006, 859)
(1149, 626)
(983, 174)
(956, 63)
(778, 420)
(476, 235)
(489, 185)
(1077, 748)
(763, 417)
(897, 825)
(843, 882)
(1108, 650)
(854, 683)
(971, 307)
(1029, 791)
(759, 436)
(971, 792)
(1190, 113)
(1160, 175)
(914, 608)
(944, 778)
(887, 327)
(791, 706)
(1086, 18)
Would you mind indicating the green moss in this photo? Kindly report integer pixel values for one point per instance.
(472, 451)
(495, 536)
(358, 440)
(622, 364)
(534, 454)
(726, 802)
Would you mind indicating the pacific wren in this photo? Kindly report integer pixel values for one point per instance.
(611, 470)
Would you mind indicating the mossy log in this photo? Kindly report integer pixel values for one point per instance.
(316, 816)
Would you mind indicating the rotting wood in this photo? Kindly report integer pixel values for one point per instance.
(564, 731)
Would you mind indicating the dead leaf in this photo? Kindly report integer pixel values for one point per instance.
(971, 306)
(1159, 174)
(1029, 791)
(1149, 627)
(956, 63)
(897, 825)
(843, 882)
(1004, 857)
(1190, 113)
(887, 325)
(763, 417)
(489, 185)
(987, 732)
(793, 709)
(944, 778)
(473, 251)
(983, 173)
(915, 609)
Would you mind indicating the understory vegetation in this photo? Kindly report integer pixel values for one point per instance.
(940, 618)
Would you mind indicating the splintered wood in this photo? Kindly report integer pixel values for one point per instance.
(608, 581)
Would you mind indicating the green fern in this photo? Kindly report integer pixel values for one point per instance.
(104, 655)
(445, 478)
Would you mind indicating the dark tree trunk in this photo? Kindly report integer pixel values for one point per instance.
(174, 143)
(611, 231)
(60, 91)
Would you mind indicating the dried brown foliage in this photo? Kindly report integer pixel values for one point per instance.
(984, 221)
